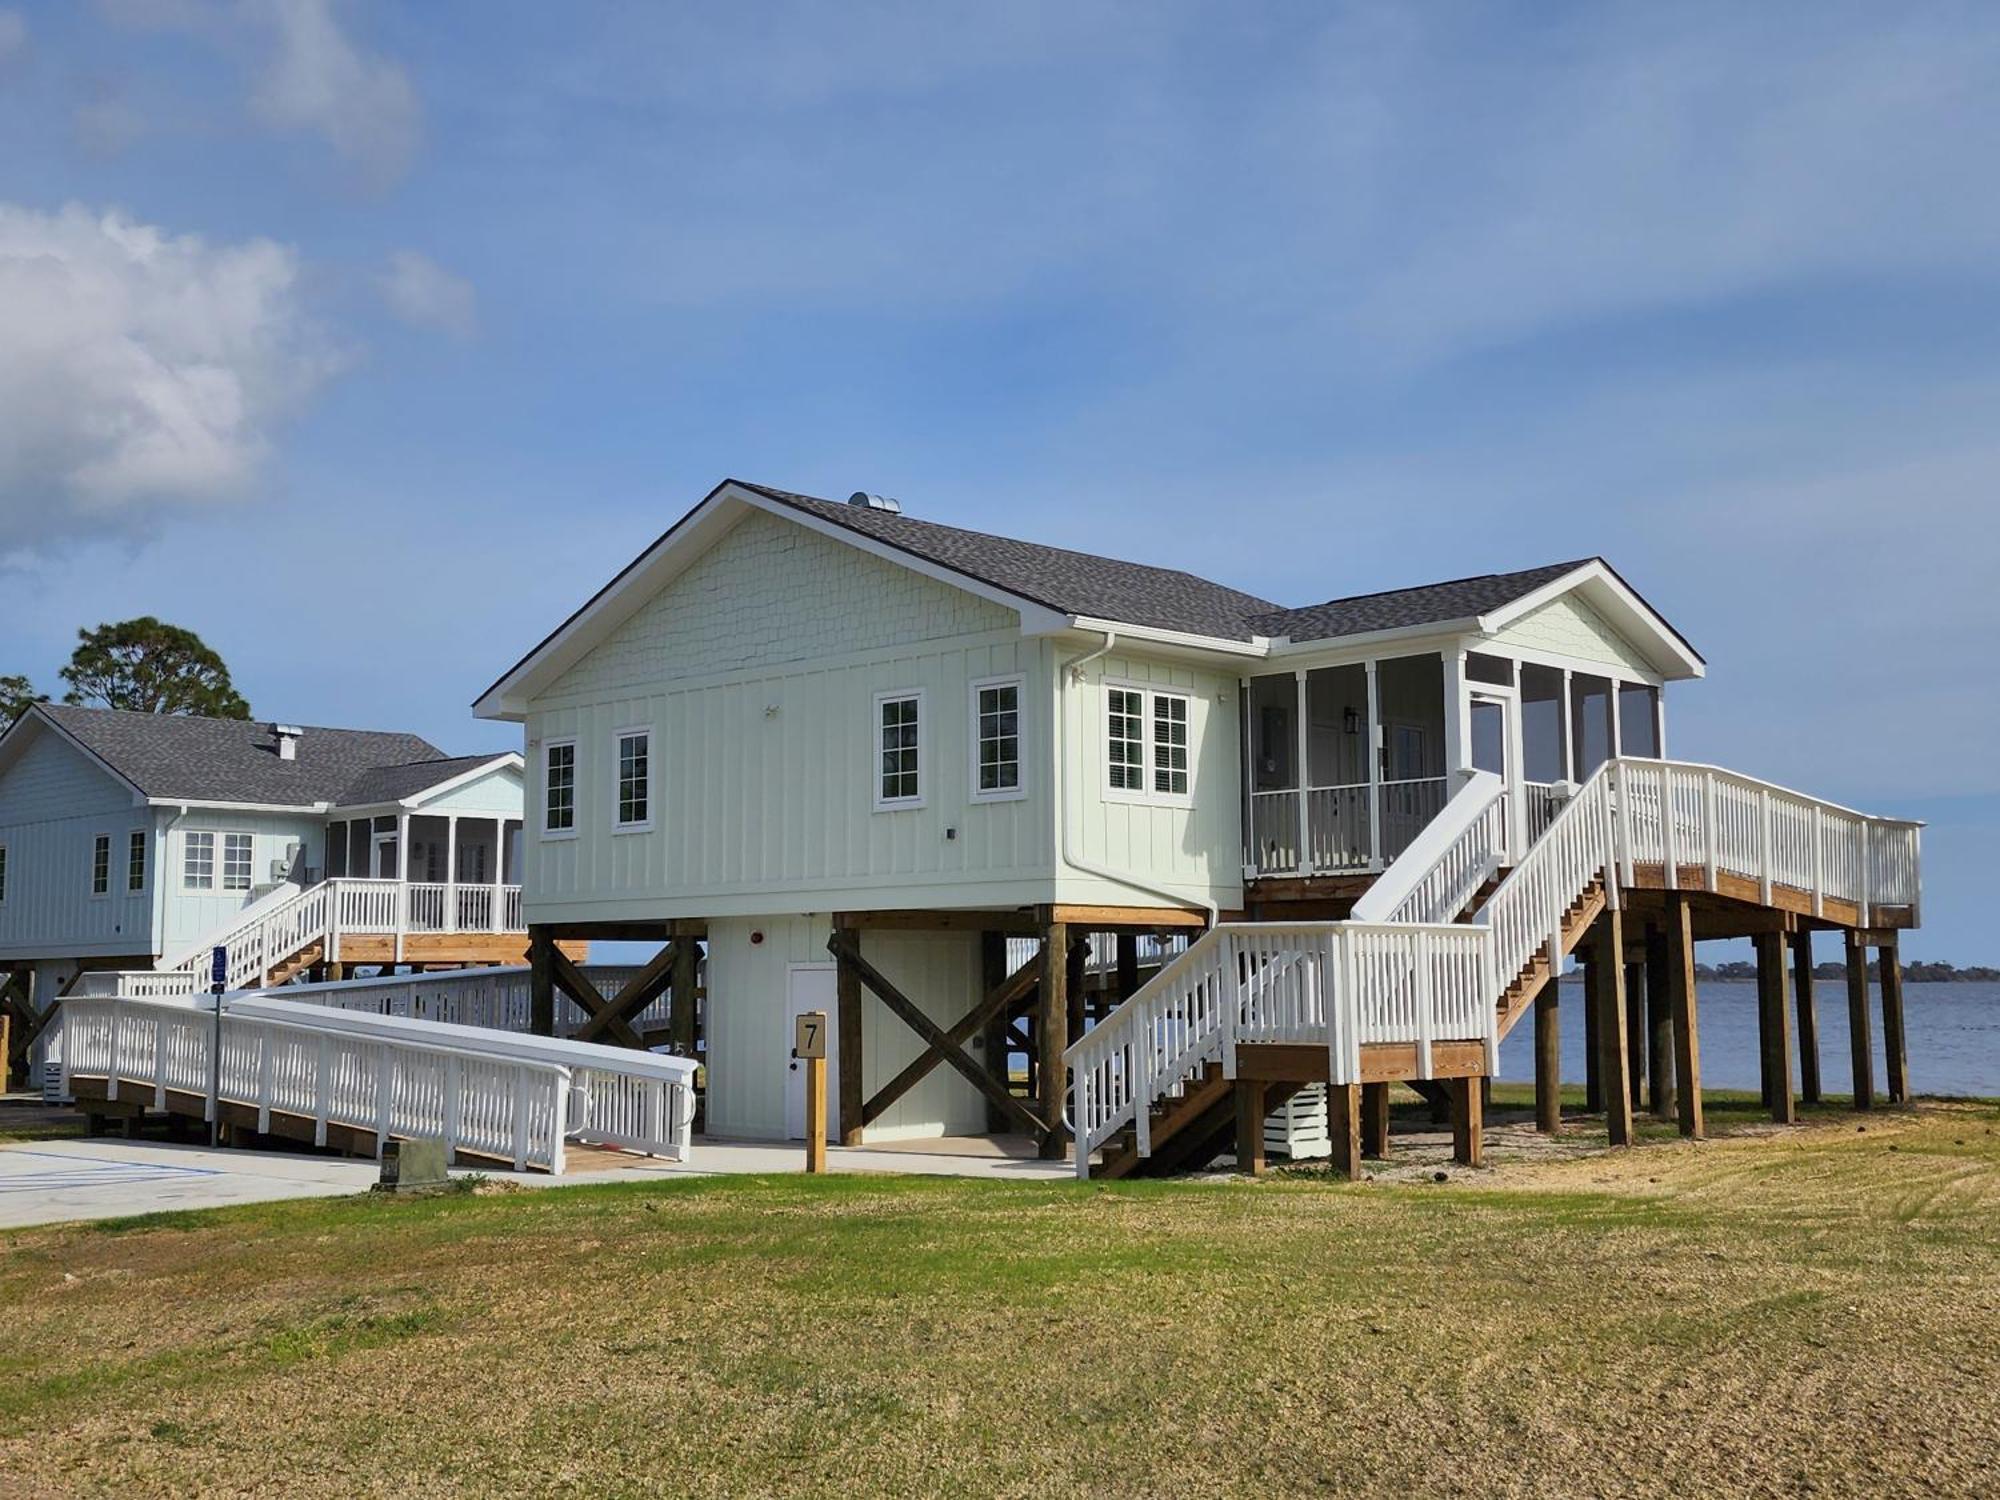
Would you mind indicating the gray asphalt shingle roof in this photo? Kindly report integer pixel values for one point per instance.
(1399, 609)
(236, 760)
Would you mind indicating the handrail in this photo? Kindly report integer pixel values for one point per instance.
(1450, 859)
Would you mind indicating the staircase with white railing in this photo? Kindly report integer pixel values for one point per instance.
(1401, 973)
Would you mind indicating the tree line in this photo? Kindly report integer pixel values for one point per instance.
(143, 665)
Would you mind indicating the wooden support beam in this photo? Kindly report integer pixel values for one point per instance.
(1605, 995)
(847, 1000)
(1635, 1031)
(683, 1009)
(1343, 1123)
(1659, 1026)
(1774, 1007)
(846, 947)
(993, 1039)
(1468, 1124)
(1808, 1011)
(1145, 918)
(541, 982)
(1686, 1009)
(1052, 1037)
(1073, 980)
(993, 1003)
(1128, 965)
(1548, 1060)
(1862, 1047)
(1375, 1120)
(639, 992)
(576, 984)
(1894, 1046)
(1593, 1048)
(1250, 1111)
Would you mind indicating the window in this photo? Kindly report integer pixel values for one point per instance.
(1128, 739)
(996, 740)
(635, 779)
(559, 788)
(135, 861)
(899, 720)
(1139, 718)
(100, 865)
(236, 853)
(198, 862)
(1170, 745)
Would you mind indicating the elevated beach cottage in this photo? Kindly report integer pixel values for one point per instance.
(856, 755)
(139, 842)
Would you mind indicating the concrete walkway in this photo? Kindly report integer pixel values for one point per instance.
(50, 1182)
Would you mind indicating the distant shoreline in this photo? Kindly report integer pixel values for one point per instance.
(1913, 973)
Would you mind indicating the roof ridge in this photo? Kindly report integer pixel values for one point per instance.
(1443, 583)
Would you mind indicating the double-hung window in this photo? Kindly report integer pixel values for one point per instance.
(559, 789)
(996, 740)
(198, 861)
(236, 859)
(1147, 746)
(100, 865)
(635, 780)
(899, 735)
(135, 861)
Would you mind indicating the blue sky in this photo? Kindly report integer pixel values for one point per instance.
(368, 339)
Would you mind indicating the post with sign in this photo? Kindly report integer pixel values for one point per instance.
(218, 981)
(809, 1046)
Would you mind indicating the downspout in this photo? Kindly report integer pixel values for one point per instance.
(1068, 675)
(159, 939)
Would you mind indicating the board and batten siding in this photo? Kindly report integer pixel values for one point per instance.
(750, 1038)
(756, 672)
(1567, 626)
(54, 803)
(188, 916)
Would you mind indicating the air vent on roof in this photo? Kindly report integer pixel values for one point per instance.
(875, 502)
(288, 740)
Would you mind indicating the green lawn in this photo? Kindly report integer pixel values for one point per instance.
(1815, 1311)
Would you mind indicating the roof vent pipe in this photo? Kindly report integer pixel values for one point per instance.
(288, 740)
(875, 502)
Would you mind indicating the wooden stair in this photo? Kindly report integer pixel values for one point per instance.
(286, 970)
(1576, 922)
(1188, 1132)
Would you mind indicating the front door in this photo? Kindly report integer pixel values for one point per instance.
(1496, 747)
(810, 987)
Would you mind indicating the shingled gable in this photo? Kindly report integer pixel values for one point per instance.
(177, 757)
(1064, 586)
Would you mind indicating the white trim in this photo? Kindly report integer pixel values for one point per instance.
(898, 804)
(1146, 795)
(575, 789)
(1610, 594)
(1207, 645)
(1018, 681)
(106, 840)
(417, 799)
(618, 738)
(188, 837)
(144, 843)
(1534, 656)
(222, 863)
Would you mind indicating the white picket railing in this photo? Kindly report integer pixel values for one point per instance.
(510, 1109)
(1382, 977)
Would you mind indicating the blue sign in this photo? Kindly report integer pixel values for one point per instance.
(218, 967)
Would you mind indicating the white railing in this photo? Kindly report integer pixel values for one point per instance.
(1339, 832)
(1446, 864)
(513, 1109)
(498, 999)
(1384, 978)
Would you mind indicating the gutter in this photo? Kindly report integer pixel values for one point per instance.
(1068, 674)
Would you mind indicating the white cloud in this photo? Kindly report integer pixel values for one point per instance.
(139, 368)
(13, 35)
(425, 295)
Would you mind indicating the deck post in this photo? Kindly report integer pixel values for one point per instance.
(1343, 1123)
(541, 982)
(1775, 1015)
(1128, 966)
(847, 1000)
(1686, 1009)
(1635, 1031)
(1659, 1026)
(682, 1022)
(1250, 1126)
(1894, 1047)
(1052, 1035)
(1593, 1076)
(1374, 752)
(1808, 1009)
(1468, 1124)
(451, 921)
(1548, 1059)
(1375, 1120)
(1861, 1045)
(1605, 995)
(1075, 981)
(993, 1037)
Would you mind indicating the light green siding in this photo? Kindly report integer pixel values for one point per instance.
(1569, 627)
(497, 792)
(54, 803)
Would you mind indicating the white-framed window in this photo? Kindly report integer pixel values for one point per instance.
(3, 874)
(1148, 744)
(559, 789)
(100, 865)
(634, 813)
(198, 861)
(135, 860)
(899, 743)
(996, 739)
(238, 851)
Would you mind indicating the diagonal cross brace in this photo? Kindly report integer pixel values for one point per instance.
(645, 987)
(602, 1015)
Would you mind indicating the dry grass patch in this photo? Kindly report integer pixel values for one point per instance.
(1809, 1312)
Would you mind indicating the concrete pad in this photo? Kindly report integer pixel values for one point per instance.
(951, 1156)
(49, 1182)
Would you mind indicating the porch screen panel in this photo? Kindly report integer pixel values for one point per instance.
(1590, 716)
(1337, 739)
(1274, 738)
(1638, 720)
(1541, 724)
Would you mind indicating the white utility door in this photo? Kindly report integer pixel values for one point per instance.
(1496, 747)
(810, 987)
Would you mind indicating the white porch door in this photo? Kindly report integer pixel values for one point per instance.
(385, 856)
(1496, 747)
(810, 987)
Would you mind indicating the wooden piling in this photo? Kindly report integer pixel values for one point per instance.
(1775, 1025)
(1375, 1120)
(1686, 1009)
(1808, 1012)
(847, 999)
(1894, 1046)
(1593, 1071)
(541, 983)
(1343, 1120)
(1548, 1060)
(1635, 1031)
(1468, 1124)
(1659, 1026)
(1052, 1036)
(1860, 1043)
(1605, 995)
(1250, 1112)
